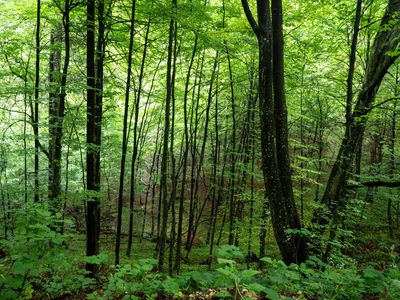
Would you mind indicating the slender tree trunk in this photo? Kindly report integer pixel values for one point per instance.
(92, 243)
(232, 183)
(54, 85)
(124, 135)
(164, 162)
(216, 156)
(35, 115)
(185, 159)
(221, 189)
(193, 142)
(216, 188)
(392, 156)
(132, 194)
(174, 176)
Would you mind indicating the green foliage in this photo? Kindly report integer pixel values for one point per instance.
(131, 280)
(37, 257)
(229, 279)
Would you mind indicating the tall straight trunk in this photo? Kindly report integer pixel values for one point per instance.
(193, 142)
(35, 113)
(136, 108)
(56, 117)
(392, 148)
(232, 215)
(99, 72)
(216, 188)
(92, 242)
(251, 214)
(24, 137)
(174, 176)
(54, 86)
(153, 193)
(233, 141)
(221, 190)
(124, 136)
(274, 132)
(302, 166)
(164, 162)
(378, 64)
(185, 159)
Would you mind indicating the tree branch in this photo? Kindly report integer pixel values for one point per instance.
(376, 183)
(250, 18)
(363, 113)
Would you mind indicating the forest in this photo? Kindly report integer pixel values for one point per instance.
(199, 149)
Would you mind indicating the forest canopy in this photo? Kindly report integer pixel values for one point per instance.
(199, 149)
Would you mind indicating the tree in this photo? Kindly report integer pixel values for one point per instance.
(58, 83)
(124, 136)
(384, 53)
(274, 130)
(35, 111)
(92, 152)
(164, 162)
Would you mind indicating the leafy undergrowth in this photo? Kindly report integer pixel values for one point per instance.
(40, 263)
(227, 280)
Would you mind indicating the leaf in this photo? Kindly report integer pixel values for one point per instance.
(19, 268)
(272, 294)
(226, 272)
(248, 274)
(224, 261)
(229, 251)
(223, 294)
(256, 287)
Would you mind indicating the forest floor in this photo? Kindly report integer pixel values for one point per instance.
(44, 266)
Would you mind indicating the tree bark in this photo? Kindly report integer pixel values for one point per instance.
(35, 113)
(57, 106)
(274, 131)
(92, 243)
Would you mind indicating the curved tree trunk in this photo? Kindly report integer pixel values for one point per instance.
(386, 41)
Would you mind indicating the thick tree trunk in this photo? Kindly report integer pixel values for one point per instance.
(95, 69)
(274, 131)
(57, 106)
(378, 64)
